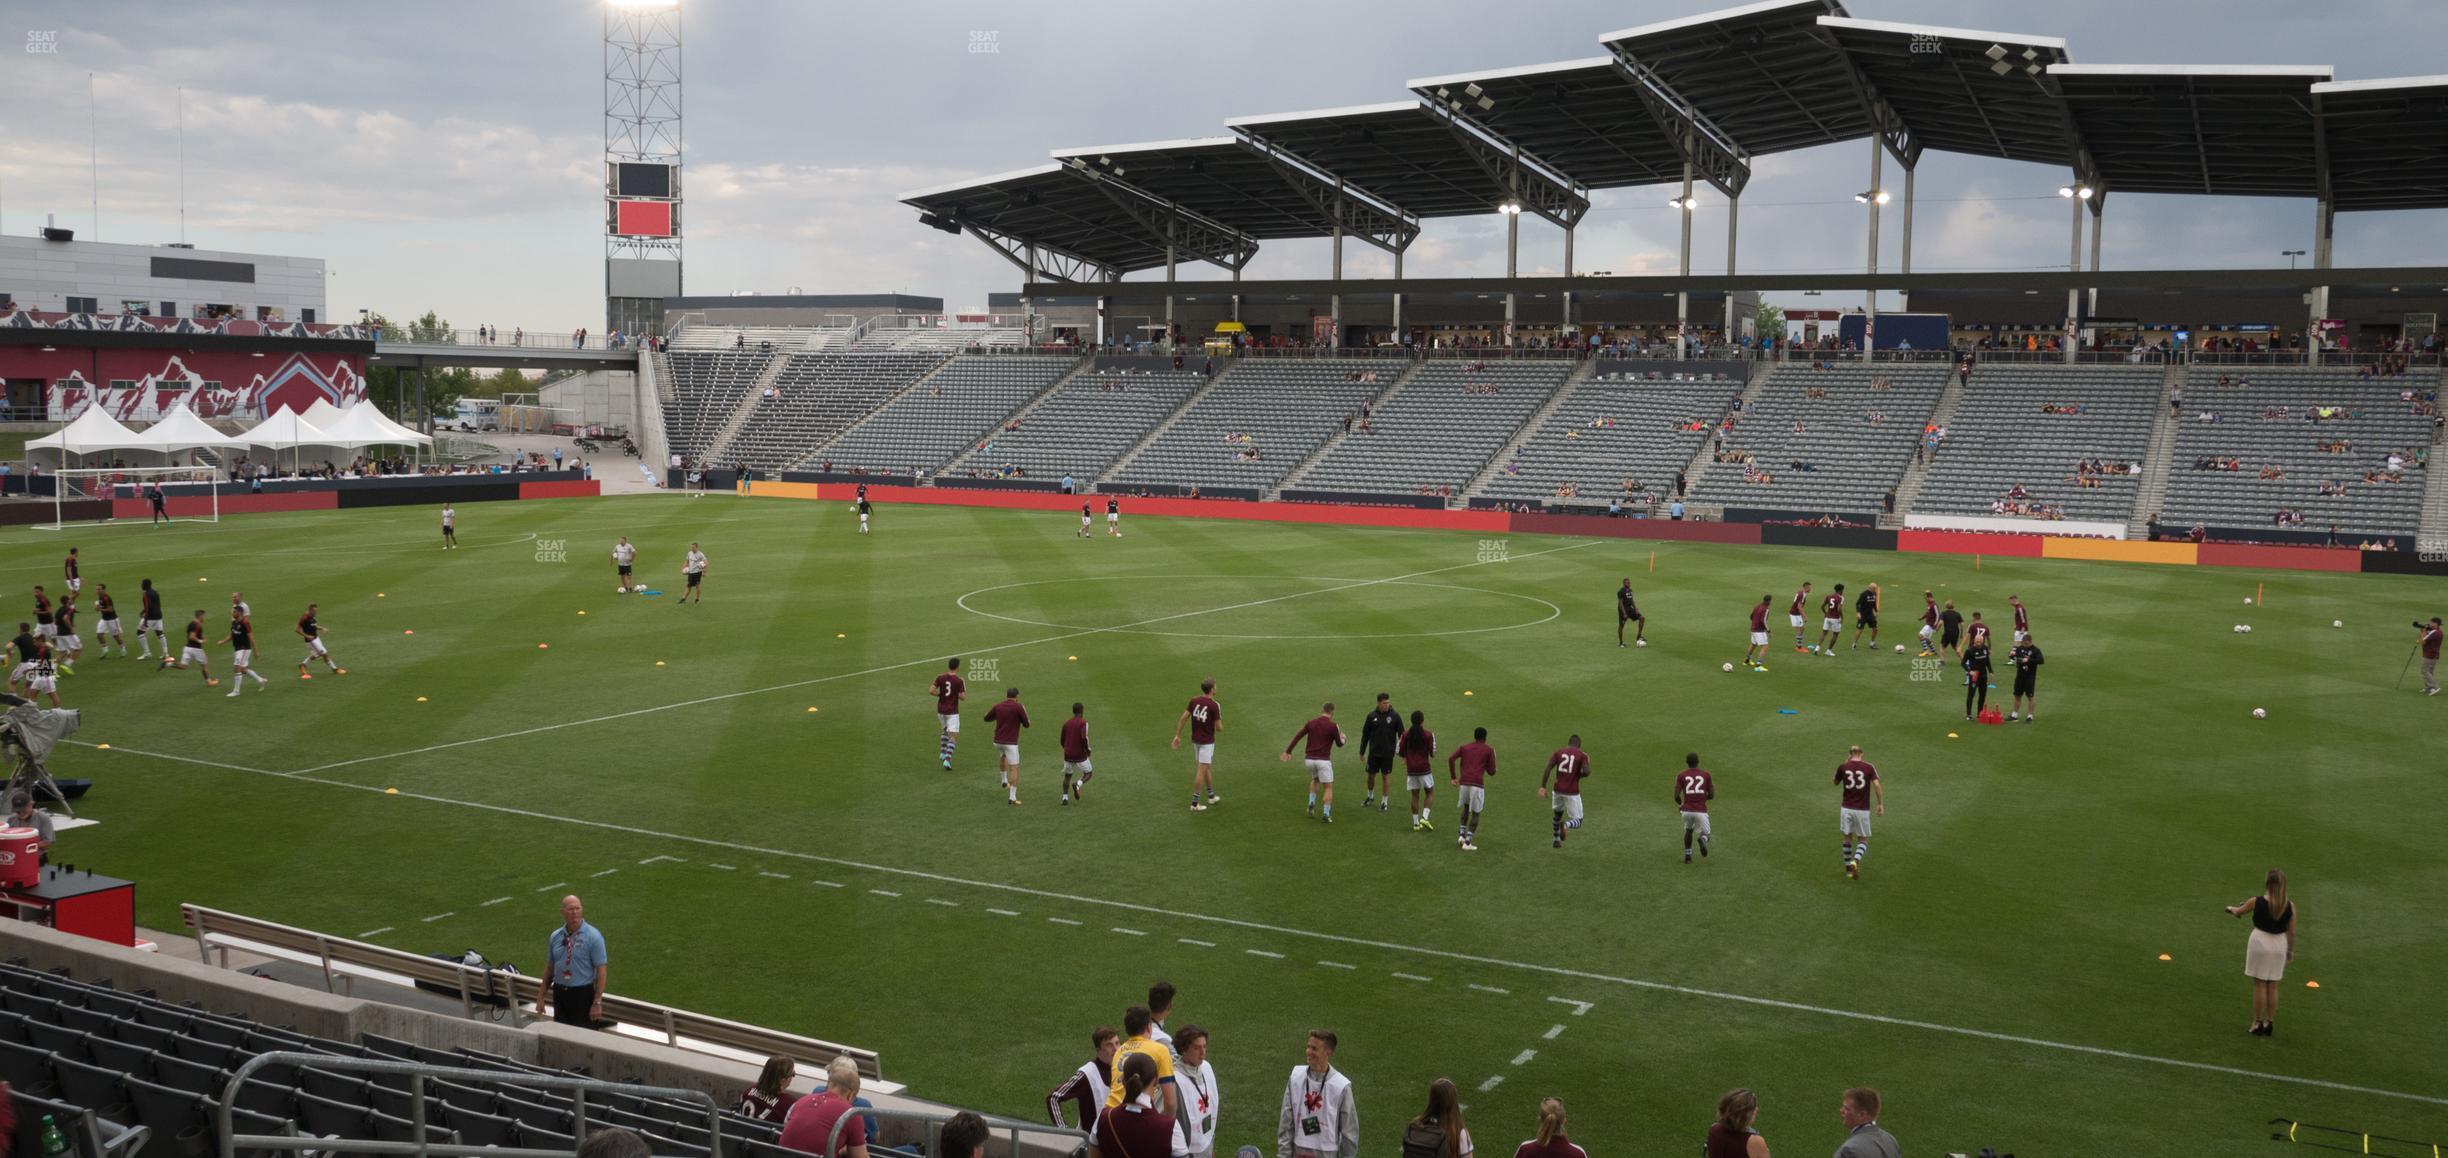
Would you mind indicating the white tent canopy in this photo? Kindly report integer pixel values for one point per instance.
(93, 430)
(182, 430)
(322, 414)
(366, 422)
(287, 430)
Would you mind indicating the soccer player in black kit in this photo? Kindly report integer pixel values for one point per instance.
(1380, 734)
(1627, 611)
(1976, 675)
(2025, 659)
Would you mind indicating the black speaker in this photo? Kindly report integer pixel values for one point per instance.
(52, 234)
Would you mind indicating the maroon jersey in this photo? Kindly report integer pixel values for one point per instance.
(1418, 750)
(1475, 761)
(1205, 714)
(1694, 788)
(1979, 635)
(1832, 607)
(72, 566)
(42, 609)
(948, 689)
(1929, 613)
(104, 608)
(1075, 739)
(2022, 618)
(1759, 618)
(1008, 717)
(67, 617)
(1796, 609)
(2431, 643)
(1570, 764)
(1856, 777)
(1323, 738)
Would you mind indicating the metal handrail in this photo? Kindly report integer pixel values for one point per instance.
(934, 1121)
(417, 1072)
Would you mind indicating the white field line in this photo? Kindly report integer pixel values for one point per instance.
(1129, 932)
(373, 932)
(439, 916)
(1337, 965)
(1263, 953)
(1491, 989)
(883, 892)
(1523, 1058)
(930, 659)
(552, 886)
(1413, 977)
(1004, 912)
(1553, 1032)
(1491, 1083)
(1062, 921)
(495, 901)
(1200, 944)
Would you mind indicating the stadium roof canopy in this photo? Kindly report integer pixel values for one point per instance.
(1717, 89)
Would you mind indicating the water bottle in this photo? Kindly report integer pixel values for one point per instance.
(54, 1143)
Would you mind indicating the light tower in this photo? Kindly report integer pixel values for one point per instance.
(641, 162)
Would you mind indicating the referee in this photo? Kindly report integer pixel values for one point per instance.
(576, 968)
(1380, 734)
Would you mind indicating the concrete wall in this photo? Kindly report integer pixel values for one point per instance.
(598, 397)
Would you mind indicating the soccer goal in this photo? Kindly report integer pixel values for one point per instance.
(190, 494)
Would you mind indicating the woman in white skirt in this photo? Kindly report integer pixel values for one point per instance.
(2269, 949)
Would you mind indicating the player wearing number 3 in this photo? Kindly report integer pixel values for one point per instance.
(1568, 765)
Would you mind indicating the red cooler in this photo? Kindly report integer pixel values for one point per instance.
(20, 858)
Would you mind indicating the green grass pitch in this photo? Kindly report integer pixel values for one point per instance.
(1996, 972)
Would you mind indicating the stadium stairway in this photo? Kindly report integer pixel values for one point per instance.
(1504, 454)
(1908, 488)
(2153, 490)
(1170, 421)
(2433, 536)
(1378, 402)
(1086, 366)
(1715, 512)
(729, 431)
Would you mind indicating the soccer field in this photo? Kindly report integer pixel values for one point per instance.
(747, 795)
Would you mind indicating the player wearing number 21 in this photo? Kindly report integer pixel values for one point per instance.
(1568, 765)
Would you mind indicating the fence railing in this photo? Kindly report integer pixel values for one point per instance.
(418, 1142)
(514, 338)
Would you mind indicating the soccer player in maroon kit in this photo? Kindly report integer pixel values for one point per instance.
(1075, 753)
(1759, 635)
(2022, 618)
(948, 690)
(1323, 738)
(1801, 605)
(1468, 769)
(1568, 765)
(1976, 633)
(1693, 790)
(1831, 621)
(1418, 752)
(1008, 717)
(1929, 624)
(1204, 716)
(1858, 779)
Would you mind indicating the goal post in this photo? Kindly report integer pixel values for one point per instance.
(190, 494)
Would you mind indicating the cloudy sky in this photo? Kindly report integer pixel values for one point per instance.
(447, 155)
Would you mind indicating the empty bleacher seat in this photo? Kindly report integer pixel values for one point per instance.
(1261, 419)
(2370, 418)
(1085, 425)
(1609, 434)
(1439, 429)
(1840, 451)
(932, 425)
(817, 397)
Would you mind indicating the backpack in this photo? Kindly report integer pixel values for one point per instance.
(1424, 1138)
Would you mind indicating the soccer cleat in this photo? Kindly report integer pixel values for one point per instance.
(947, 763)
(233, 695)
(1427, 825)
(1853, 869)
(1195, 806)
(1330, 818)
(304, 676)
(212, 683)
(1381, 806)
(1066, 798)
(1559, 842)
(1704, 846)
(1015, 802)
(1687, 858)
(1311, 810)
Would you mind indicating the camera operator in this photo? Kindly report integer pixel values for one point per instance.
(2430, 643)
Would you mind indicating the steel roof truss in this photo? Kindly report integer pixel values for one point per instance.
(1716, 157)
(1360, 217)
(1529, 185)
(1188, 234)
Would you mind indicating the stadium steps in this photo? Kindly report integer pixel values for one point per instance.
(1293, 478)
(1908, 489)
(1495, 466)
(2433, 534)
(1086, 363)
(1170, 421)
(2153, 490)
(653, 439)
(1705, 453)
(663, 378)
(897, 395)
(729, 432)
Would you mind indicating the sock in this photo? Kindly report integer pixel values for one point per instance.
(1848, 852)
(1330, 812)
(1704, 846)
(1313, 800)
(1687, 842)
(1861, 851)
(1423, 814)
(257, 677)
(1011, 790)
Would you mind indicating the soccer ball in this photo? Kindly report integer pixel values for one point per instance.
(2337, 623)
(1729, 667)
(1640, 643)
(2260, 714)
(1899, 649)
(2248, 601)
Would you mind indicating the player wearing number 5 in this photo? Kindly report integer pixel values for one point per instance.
(1568, 765)
(1858, 779)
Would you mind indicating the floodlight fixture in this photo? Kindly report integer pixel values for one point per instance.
(2077, 192)
(1686, 204)
(1871, 196)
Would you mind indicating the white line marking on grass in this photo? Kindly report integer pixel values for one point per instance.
(1200, 944)
(1413, 977)
(1492, 1082)
(1004, 912)
(1337, 965)
(605, 873)
(774, 876)
(495, 901)
(1490, 989)
(1128, 932)
(1523, 1058)
(930, 659)
(180, 759)
(943, 902)
(1063, 921)
(827, 884)
(1553, 1032)
(439, 916)
(373, 932)
(673, 859)
(729, 868)
(1498, 963)
(1263, 953)
(883, 892)
(1579, 1007)
(554, 885)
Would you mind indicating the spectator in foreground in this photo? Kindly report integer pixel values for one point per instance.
(1731, 1135)
(1439, 1131)
(1319, 1119)
(1202, 1100)
(810, 1120)
(1086, 1086)
(1137, 1128)
(769, 1099)
(613, 1142)
(963, 1137)
(1859, 1111)
(1550, 1141)
(576, 968)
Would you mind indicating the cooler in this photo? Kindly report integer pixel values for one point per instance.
(20, 857)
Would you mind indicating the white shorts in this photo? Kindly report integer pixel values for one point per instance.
(1928, 631)
(1084, 522)
(1471, 798)
(1321, 771)
(1010, 753)
(77, 584)
(1205, 753)
(1082, 767)
(71, 643)
(1853, 821)
(1111, 519)
(107, 626)
(1759, 639)
(1797, 621)
(2020, 636)
(18, 674)
(314, 648)
(43, 684)
(191, 655)
(1423, 782)
(151, 625)
(1696, 822)
(950, 721)
(1568, 803)
(1831, 625)
(45, 631)
(242, 658)
(862, 518)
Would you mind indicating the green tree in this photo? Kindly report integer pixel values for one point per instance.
(1769, 322)
(430, 330)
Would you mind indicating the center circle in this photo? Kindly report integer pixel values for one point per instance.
(1329, 591)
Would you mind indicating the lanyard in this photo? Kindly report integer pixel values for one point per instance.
(568, 956)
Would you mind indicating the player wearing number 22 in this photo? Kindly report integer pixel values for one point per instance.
(1694, 788)
(1568, 765)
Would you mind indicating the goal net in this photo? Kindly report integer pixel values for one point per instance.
(88, 496)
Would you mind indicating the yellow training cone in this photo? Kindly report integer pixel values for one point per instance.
(1074, 657)
(658, 663)
(1466, 693)
(2165, 957)
(102, 747)
(2311, 984)
(582, 613)
(390, 791)
(420, 699)
(811, 709)
(378, 595)
(1952, 736)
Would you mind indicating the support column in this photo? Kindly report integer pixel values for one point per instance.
(1398, 296)
(1568, 272)
(2099, 214)
(1169, 256)
(2324, 229)
(1878, 157)
(424, 413)
(1102, 305)
(1236, 302)
(1733, 218)
(1905, 296)
(1683, 264)
(2074, 265)
(1334, 302)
